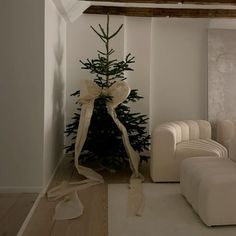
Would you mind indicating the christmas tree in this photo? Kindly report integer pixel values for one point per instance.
(104, 143)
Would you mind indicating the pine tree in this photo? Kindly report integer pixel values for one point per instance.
(104, 143)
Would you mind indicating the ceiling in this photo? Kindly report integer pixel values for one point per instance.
(162, 8)
(149, 8)
(199, 2)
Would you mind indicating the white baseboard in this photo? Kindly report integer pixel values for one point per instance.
(44, 190)
(41, 194)
(21, 189)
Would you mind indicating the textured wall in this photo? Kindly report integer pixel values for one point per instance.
(221, 74)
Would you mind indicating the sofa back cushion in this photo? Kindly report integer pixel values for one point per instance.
(189, 129)
(225, 131)
(194, 132)
(204, 129)
(226, 135)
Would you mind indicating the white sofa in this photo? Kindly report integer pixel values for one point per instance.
(209, 183)
(173, 142)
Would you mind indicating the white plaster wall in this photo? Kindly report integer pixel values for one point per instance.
(21, 92)
(178, 70)
(138, 43)
(83, 43)
(54, 96)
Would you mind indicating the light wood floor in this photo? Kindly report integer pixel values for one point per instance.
(14, 208)
(93, 222)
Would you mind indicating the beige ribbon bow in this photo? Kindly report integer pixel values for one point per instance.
(71, 207)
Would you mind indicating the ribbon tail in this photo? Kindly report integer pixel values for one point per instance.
(85, 118)
(135, 194)
(71, 207)
(135, 197)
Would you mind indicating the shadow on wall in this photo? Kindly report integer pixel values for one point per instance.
(58, 96)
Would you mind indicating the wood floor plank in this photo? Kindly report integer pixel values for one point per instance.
(123, 176)
(16, 214)
(6, 202)
(61, 227)
(94, 221)
(42, 221)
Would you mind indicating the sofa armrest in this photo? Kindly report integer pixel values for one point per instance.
(162, 150)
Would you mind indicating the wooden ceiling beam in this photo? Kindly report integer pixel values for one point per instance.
(162, 12)
(204, 2)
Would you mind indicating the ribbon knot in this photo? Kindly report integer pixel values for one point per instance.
(119, 91)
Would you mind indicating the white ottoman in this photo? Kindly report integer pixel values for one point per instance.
(209, 185)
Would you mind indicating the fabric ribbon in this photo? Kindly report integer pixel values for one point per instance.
(71, 207)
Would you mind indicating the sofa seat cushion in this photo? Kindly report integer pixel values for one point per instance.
(199, 147)
(200, 169)
(209, 185)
